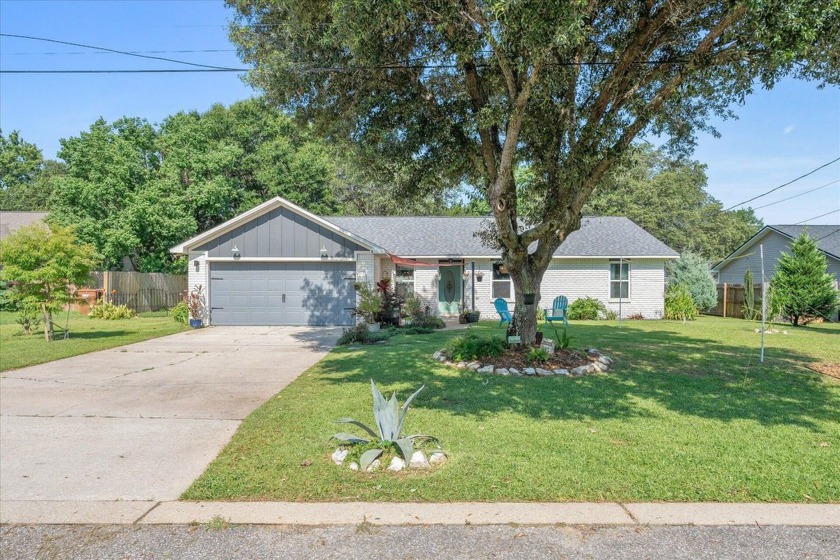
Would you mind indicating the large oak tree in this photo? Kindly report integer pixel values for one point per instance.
(467, 91)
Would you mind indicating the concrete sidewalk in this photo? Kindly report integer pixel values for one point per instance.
(467, 513)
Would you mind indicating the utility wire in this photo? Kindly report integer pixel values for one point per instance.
(797, 195)
(131, 52)
(784, 185)
(815, 217)
(156, 71)
(127, 53)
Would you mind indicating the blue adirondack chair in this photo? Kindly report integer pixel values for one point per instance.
(557, 311)
(502, 309)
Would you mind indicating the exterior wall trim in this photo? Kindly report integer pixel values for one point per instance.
(280, 259)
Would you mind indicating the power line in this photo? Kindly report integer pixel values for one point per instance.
(127, 53)
(156, 71)
(815, 217)
(798, 195)
(784, 185)
(132, 52)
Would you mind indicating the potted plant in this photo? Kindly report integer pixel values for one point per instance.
(196, 305)
(369, 306)
(468, 316)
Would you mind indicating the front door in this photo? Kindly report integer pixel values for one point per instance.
(449, 290)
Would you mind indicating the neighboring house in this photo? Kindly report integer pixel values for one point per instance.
(10, 222)
(278, 264)
(775, 240)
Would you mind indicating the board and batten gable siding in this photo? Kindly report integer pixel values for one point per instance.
(775, 243)
(281, 233)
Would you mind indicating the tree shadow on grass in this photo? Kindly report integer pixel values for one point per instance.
(90, 335)
(686, 375)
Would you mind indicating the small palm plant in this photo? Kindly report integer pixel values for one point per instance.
(389, 420)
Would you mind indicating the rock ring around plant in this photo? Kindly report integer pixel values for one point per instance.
(595, 362)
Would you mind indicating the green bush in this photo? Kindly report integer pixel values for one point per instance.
(107, 310)
(29, 319)
(416, 330)
(361, 335)
(538, 356)
(692, 271)
(428, 322)
(587, 309)
(180, 312)
(679, 305)
(473, 347)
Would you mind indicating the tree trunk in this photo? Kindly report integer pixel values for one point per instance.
(46, 315)
(526, 280)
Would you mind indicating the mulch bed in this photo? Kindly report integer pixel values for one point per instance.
(518, 358)
(831, 369)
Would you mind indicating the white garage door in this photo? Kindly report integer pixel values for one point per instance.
(252, 293)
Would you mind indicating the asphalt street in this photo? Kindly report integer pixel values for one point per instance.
(219, 540)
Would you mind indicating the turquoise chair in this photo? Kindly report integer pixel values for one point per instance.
(502, 310)
(557, 311)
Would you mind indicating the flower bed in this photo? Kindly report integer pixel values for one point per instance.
(514, 361)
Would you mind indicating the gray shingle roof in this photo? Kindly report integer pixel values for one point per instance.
(454, 236)
(10, 222)
(827, 237)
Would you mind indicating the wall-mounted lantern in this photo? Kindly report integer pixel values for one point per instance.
(324, 251)
(197, 265)
(235, 252)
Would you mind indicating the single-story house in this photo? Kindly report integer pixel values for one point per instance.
(278, 264)
(776, 239)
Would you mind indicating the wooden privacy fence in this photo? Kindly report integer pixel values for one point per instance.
(141, 291)
(730, 300)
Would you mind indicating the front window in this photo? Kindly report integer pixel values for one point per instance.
(501, 281)
(404, 281)
(619, 280)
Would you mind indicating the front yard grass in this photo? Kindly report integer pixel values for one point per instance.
(686, 414)
(86, 335)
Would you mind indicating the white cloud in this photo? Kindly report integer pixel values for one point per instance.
(789, 128)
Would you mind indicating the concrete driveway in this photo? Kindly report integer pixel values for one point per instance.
(141, 422)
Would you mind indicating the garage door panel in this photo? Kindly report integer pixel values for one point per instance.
(253, 293)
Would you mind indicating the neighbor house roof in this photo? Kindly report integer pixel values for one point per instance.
(440, 236)
(827, 238)
(10, 222)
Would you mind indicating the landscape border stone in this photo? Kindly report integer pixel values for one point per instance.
(598, 363)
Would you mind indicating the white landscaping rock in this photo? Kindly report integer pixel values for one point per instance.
(543, 372)
(396, 465)
(502, 371)
(580, 370)
(474, 366)
(339, 455)
(437, 458)
(593, 352)
(530, 371)
(514, 371)
(354, 466)
(419, 461)
(374, 466)
(605, 360)
(461, 365)
(437, 355)
(486, 369)
(561, 372)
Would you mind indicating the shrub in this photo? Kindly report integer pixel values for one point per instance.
(750, 311)
(636, 317)
(538, 356)
(180, 312)
(428, 322)
(473, 347)
(679, 304)
(196, 302)
(29, 318)
(610, 315)
(587, 309)
(802, 288)
(416, 330)
(692, 271)
(370, 304)
(360, 335)
(109, 311)
(564, 340)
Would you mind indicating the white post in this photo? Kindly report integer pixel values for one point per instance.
(620, 269)
(763, 301)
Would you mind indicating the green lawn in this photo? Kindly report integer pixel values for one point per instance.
(86, 335)
(686, 414)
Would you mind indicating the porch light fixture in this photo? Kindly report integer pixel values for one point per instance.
(323, 251)
(197, 264)
(235, 252)
(465, 275)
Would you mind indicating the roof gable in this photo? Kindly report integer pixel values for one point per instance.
(826, 237)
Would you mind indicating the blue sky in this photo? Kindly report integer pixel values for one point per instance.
(780, 134)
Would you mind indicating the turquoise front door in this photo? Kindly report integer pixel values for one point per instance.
(449, 290)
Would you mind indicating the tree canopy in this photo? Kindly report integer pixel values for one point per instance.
(439, 93)
(667, 196)
(133, 189)
(24, 174)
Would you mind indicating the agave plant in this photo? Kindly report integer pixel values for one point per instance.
(389, 421)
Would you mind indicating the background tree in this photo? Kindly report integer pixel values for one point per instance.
(42, 263)
(692, 272)
(453, 92)
(801, 287)
(22, 182)
(667, 196)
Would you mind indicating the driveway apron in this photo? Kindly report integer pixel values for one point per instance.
(141, 422)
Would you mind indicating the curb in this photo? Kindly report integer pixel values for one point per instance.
(464, 513)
